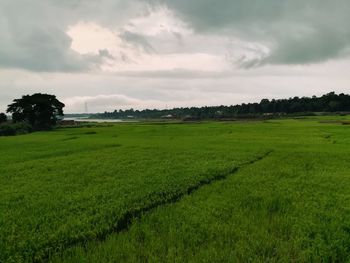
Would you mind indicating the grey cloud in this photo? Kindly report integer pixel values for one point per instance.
(101, 101)
(33, 33)
(176, 74)
(137, 40)
(105, 53)
(296, 31)
(314, 46)
(32, 41)
(42, 49)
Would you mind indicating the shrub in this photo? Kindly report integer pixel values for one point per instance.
(3, 118)
(10, 129)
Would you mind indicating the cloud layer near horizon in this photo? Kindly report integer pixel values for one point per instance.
(189, 46)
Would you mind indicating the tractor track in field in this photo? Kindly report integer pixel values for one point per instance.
(125, 222)
(165, 198)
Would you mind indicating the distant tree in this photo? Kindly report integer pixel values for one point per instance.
(265, 105)
(334, 106)
(330, 102)
(3, 118)
(39, 110)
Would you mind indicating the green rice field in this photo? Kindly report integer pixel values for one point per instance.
(247, 191)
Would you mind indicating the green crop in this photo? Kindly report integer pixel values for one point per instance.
(245, 191)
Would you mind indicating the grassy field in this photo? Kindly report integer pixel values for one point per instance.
(275, 191)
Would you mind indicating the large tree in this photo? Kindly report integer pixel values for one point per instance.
(3, 117)
(39, 110)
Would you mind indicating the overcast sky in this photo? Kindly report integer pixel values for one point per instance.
(114, 54)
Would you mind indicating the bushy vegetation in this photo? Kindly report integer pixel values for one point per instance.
(330, 102)
(212, 192)
(10, 129)
(3, 118)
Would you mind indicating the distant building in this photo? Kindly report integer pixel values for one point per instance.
(169, 116)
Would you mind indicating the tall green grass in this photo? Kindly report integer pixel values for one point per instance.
(68, 195)
(62, 188)
(291, 206)
(257, 215)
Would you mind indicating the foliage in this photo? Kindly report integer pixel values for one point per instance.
(39, 110)
(10, 129)
(70, 186)
(3, 118)
(330, 102)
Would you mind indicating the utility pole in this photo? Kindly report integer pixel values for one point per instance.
(86, 108)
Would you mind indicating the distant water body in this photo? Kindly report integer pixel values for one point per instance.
(94, 120)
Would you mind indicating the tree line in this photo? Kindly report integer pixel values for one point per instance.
(330, 102)
(42, 111)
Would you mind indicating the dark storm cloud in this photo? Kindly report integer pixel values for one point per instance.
(296, 31)
(33, 34)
